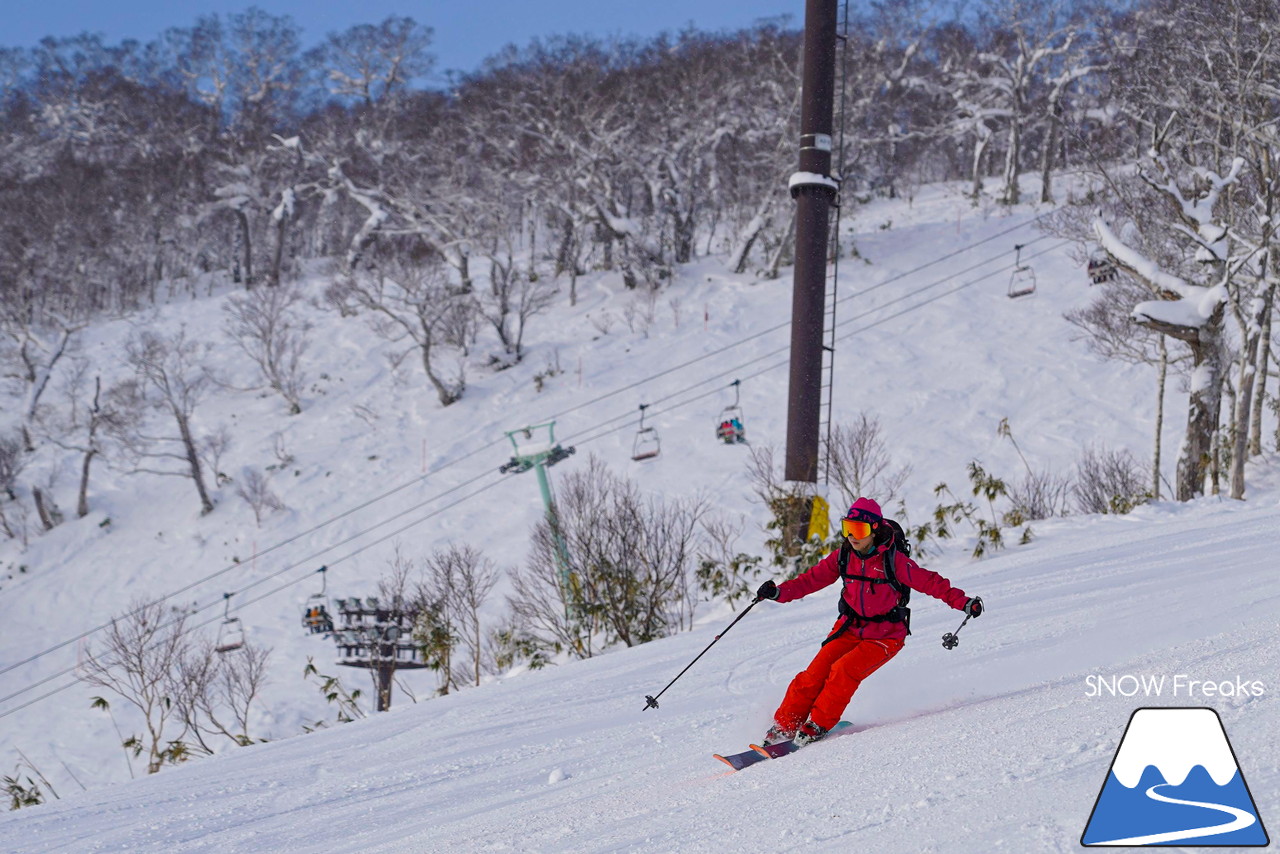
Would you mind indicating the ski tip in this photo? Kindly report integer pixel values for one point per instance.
(762, 751)
(724, 760)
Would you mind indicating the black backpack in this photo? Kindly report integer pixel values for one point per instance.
(899, 613)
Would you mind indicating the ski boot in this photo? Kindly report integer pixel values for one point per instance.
(808, 733)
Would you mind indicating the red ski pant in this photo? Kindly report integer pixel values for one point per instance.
(822, 690)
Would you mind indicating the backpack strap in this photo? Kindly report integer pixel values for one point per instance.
(899, 613)
(890, 569)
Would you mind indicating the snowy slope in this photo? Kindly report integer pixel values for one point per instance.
(970, 745)
(993, 746)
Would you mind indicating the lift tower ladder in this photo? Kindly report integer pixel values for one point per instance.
(833, 276)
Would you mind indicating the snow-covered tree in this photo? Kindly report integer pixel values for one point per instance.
(245, 67)
(80, 422)
(36, 346)
(459, 580)
(264, 324)
(370, 63)
(1203, 241)
(409, 302)
(172, 379)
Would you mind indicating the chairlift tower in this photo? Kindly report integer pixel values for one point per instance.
(815, 191)
(379, 637)
(533, 451)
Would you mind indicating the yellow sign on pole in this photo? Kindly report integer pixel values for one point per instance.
(819, 521)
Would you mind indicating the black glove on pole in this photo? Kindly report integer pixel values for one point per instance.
(651, 702)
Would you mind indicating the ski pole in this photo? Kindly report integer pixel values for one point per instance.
(652, 702)
(949, 640)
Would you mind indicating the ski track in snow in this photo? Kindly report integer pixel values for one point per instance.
(992, 747)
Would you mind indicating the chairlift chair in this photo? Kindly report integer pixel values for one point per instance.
(729, 426)
(1023, 280)
(646, 445)
(231, 632)
(1101, 269)
(315, 616)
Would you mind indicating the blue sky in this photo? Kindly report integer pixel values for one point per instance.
(466, 31)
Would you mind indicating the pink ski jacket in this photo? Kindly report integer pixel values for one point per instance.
(867, 598)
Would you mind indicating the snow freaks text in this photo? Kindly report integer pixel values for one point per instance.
(1181, 685)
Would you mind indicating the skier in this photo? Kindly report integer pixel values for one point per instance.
(872, 626)
(318, 619)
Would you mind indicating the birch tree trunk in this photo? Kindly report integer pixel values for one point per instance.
(1162, 376)
(1263, 363)
(979, 152)
(1012, 192)
(82, 501)
(1244, 401)
(193, 461)
(1047, 153)
(1196, 457)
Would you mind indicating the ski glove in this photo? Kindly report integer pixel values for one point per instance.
(974, 607)
(768, 590)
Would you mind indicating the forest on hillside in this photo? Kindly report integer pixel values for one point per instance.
(138, 171)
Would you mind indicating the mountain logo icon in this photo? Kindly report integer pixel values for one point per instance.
(1175, 781)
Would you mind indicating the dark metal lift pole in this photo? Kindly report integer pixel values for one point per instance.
(814, 189)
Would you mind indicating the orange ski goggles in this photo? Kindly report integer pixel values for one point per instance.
(855, 528)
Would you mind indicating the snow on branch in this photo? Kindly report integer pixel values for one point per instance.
(1200, 221)
(1192, 309)
(1139, 265)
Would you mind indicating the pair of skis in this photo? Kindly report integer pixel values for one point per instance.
(759, 753)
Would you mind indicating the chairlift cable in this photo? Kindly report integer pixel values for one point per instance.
(776, 365)
(482, 448)
(240, 565)
(396, 489)
(732, 371)
(737, 368)
(213, 603)
(740, 341)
